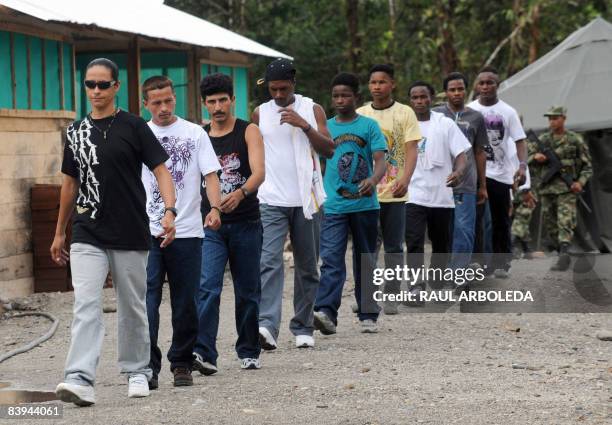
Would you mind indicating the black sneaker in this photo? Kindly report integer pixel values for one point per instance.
(205, 368)
(154, 383)
(182, 377)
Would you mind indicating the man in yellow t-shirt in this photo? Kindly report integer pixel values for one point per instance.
(401, 129)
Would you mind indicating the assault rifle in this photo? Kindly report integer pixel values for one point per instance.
(554, 167)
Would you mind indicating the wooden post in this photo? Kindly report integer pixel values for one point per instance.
(133, 70)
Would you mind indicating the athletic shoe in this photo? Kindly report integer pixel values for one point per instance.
(154, 383)
(182, 377)
(304, 341)
(323, 323)
(369, 326)
(416, 297)
(81, 395)
(266, 340)
(249, 363)
(205, 368)
(138, 386)
(501, 274)
(390, 307)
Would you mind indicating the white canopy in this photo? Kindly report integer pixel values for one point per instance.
(576, 74)
(144, 17)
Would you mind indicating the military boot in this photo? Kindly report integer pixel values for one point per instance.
(563, 261)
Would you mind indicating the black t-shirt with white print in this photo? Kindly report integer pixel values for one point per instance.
(110, 206)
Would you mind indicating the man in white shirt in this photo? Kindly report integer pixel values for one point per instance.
(191, 157)
(430, 195)
(294, 131)
(503, 127)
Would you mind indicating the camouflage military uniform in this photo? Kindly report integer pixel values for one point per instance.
(522, 213)
(556, 199)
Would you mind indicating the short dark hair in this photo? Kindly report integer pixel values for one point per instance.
(387, 68)
(215, 84)
(452, 77)
(107, 63)
(156, 82)
(346, 79)
(420, 83)
(490, 69)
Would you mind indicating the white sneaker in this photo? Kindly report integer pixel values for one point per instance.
(138, 386)
(81, 395)
(304, 341)
(266, 339)
(369, 326)
(205, 368)
(249, 363)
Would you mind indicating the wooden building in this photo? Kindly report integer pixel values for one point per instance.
(45, 46)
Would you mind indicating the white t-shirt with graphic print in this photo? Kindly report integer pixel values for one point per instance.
(503, 128)
(191, 157)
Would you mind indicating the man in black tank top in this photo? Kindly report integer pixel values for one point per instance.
(239, 148)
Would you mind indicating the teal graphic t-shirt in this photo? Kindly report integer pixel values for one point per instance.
(352, 162)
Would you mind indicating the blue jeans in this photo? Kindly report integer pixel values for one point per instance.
(181, 261)
(335, 229)
(464, 228)
(240, 243)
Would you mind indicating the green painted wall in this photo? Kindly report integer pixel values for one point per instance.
(241, 88)
(29, 79)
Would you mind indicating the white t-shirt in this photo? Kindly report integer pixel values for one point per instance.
(441, 139)
(191, 157)
(503, 127)
(281, 186)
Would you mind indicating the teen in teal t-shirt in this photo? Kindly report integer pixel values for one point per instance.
(351, 208)
(351, 164)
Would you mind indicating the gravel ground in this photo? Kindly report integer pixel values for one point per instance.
(430, 368)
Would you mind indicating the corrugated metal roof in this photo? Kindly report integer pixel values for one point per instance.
(147, 18)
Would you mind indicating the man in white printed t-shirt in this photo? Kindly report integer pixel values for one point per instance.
(191, 157)
(430, 195)
(294, 130)
(503, 126)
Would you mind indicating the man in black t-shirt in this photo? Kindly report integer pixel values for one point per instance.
(239, 148)
(103, 160)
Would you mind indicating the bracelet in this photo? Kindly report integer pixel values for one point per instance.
(307, 129)
(523, 163)
(216, 208)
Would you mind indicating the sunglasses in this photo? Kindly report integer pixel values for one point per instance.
(102, 85)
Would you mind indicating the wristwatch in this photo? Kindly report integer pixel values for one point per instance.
(244, 191)
(172, 210)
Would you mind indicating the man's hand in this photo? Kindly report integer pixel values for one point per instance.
(529, 200)
(576, 187)
(540, 158)
(366, 187)
(289, 116)
(212, 220)
(520, 176)
(399, 188)
(58, 252)
(169, 232)
(453, 179)
(231, 201)
(483, 195)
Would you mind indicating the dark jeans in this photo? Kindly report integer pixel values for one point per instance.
(240, 243)
(335, 230)
(499, 204)
(437, 221)
(464, 226)
(181, 261)
(391, 236)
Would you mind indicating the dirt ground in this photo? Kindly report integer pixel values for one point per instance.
(425, 368)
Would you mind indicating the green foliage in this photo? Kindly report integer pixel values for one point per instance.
(316, 34)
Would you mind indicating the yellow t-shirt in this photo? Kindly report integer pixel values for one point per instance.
(399, 125)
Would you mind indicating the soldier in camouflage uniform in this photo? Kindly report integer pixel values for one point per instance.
(524, 204)
(558, 201)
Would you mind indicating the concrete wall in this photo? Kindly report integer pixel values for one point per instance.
(30, 152)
